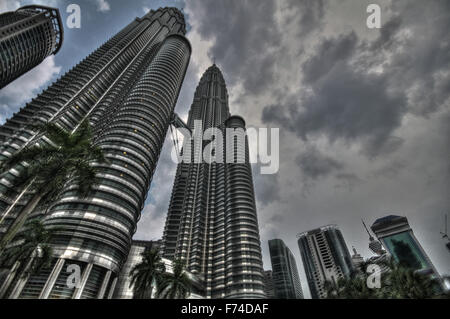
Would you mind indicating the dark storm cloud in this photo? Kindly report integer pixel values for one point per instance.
(390, 170)
(315, 165)
(328, 54)
(421, 63)
(267, 188)
(246, 39)
(247, 36)
(387, 33)
(311, 14)
(349, 99)
(345, 104)
(347, 181)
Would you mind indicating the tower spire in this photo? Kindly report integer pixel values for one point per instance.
(374, 245)
(367, 230)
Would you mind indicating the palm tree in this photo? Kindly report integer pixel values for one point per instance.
(407, 283)
(350, 288)
(397, 283)
(176, 285)
(331, 289)
(147, 274)
(50, 165)
(30, 254)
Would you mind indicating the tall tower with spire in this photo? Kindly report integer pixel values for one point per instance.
(374, 245)
(212, 224)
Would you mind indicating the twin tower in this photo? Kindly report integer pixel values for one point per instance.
(128, 89)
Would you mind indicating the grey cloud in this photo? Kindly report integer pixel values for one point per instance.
(315, 165)
(243, 31)
(267, 188)
(387, 32)
(390, 170)
(312, 13)
(345, 104)
(343, 100)
(328, 54)
(161, 187)
(347, 181)
(422, 61)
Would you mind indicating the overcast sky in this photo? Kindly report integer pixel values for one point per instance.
(364, 114)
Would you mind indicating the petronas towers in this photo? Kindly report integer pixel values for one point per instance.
(128, 89)
(212, 224)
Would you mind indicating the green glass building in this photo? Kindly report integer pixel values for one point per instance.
(398, 238)
(284, 271)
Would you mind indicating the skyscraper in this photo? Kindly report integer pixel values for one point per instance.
(357, 259)
(269, 287)
(284, 271)
(325, 258)
(127, 89)
(398, 238)
(212, 223)
(27, 36)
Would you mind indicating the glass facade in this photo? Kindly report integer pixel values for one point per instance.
(127, 89)
(325, 258)
(405, 251)
(398, 239)
(284, 271)
(269, 287)
(27, 37)
(212, 223)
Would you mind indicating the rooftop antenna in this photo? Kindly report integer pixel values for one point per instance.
(367, 230)
(445, 234)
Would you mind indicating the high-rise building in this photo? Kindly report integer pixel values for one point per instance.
(398, 238)
(127, 89)
(325, 258)
(269, 286)
(27, 36)
(284, 271)
(124, 290)
(357, 259)
(212, 223)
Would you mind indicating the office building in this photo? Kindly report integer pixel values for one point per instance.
(325, 258)
(127, 89)
(212, 223)
(398, 238)
(357, 260)
(284, 271)
(269, 287)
